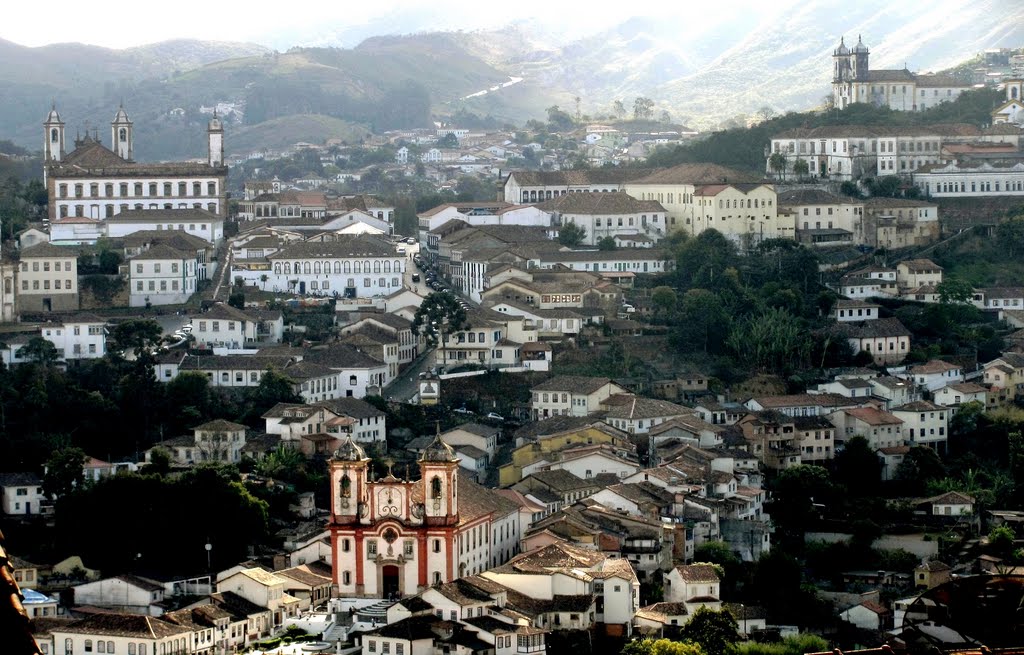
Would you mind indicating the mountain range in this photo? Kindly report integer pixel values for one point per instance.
(703, 72)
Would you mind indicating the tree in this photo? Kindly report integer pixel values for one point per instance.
(954, 291)
(643, 108)
(139, 335)
(558, 120)
(665, 116)
(716, 632)
(39, 351)
(64, 472)
(704, 322)
(777, 162)
(765, 113)
(448, 141)
(438, 316)
(606, 244)
(572, 235)
(274, 388)
(237, 299)
(619, 109)
(800, 168)
(1001, 538)
(664, 299)
(797, 490)
(648, 646)
(858, 467)
(771, 341)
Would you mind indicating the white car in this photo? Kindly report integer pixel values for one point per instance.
(494, 416)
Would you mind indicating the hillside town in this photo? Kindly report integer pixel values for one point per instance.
(575, 395)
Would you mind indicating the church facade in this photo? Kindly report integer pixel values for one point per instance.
(394, 537)
(899, 90)
(96, 182)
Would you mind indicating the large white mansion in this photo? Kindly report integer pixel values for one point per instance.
(853, 81)
(396, 537)
(93, 181)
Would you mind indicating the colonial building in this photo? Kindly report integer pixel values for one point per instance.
(603, 215)
(97, 182)
(698, 197)
(351, 266)
(396, 537)
(47, 279)
(900, 90)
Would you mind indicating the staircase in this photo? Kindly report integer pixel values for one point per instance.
(377, 612)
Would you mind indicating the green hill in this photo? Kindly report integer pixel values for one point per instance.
(285, 131)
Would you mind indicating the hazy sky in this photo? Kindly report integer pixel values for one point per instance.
(301, 22)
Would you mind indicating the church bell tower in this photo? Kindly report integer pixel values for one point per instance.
(439, 468)
(53, 137)
(215, 137)
(121, 135)
(348, 475)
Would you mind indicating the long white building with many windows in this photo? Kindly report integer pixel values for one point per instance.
(353, 266)
(97, 182)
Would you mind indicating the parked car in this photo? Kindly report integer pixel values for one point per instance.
(462, 410)
(410, 241)
(494, 416)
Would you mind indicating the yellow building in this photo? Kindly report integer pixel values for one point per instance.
(547, 446)
(698, 197)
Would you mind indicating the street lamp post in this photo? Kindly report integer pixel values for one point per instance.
(208, 547)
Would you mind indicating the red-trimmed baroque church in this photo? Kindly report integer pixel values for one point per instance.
(393, 537)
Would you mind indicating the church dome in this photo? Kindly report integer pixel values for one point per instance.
(438, 451)
(842, 49)
(860, 47)
(121, 116)
(215, 122)
(53, 116)
(349, 451)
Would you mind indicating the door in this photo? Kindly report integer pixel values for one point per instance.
(302, 288)
(389, 582)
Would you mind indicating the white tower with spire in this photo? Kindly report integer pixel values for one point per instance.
(215, 134)
(53, 137)
(121, 135)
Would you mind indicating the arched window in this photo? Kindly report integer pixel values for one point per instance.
(122, 135)
(358, 267)
(398, 267)
(305, 268)
(287, 268)
(277, 268)
(435, 487)
(316, 267)
(387, 266)
(88, 645)
(366, 266)
(69, 647)
(346, 486)
(376, 266)
(437, 545)
(298, 268)
(54, 135)
(337, 267)
(347, 267)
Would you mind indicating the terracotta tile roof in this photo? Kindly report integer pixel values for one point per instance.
(47, 250)
(698, 573)
(573, 384)
(578, 178)
(346, 245)
(220, 425)
(123, 625)
(873, 416)
(599, 204)
(696, 174)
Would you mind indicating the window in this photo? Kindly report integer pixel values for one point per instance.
(88, 645)
(371, 547)
(373, 646)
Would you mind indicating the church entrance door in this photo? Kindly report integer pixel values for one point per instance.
(389, 582)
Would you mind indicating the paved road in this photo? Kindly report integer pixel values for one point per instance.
(406, 385)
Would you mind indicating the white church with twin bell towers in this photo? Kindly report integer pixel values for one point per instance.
(393, 536)
(92, 182)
